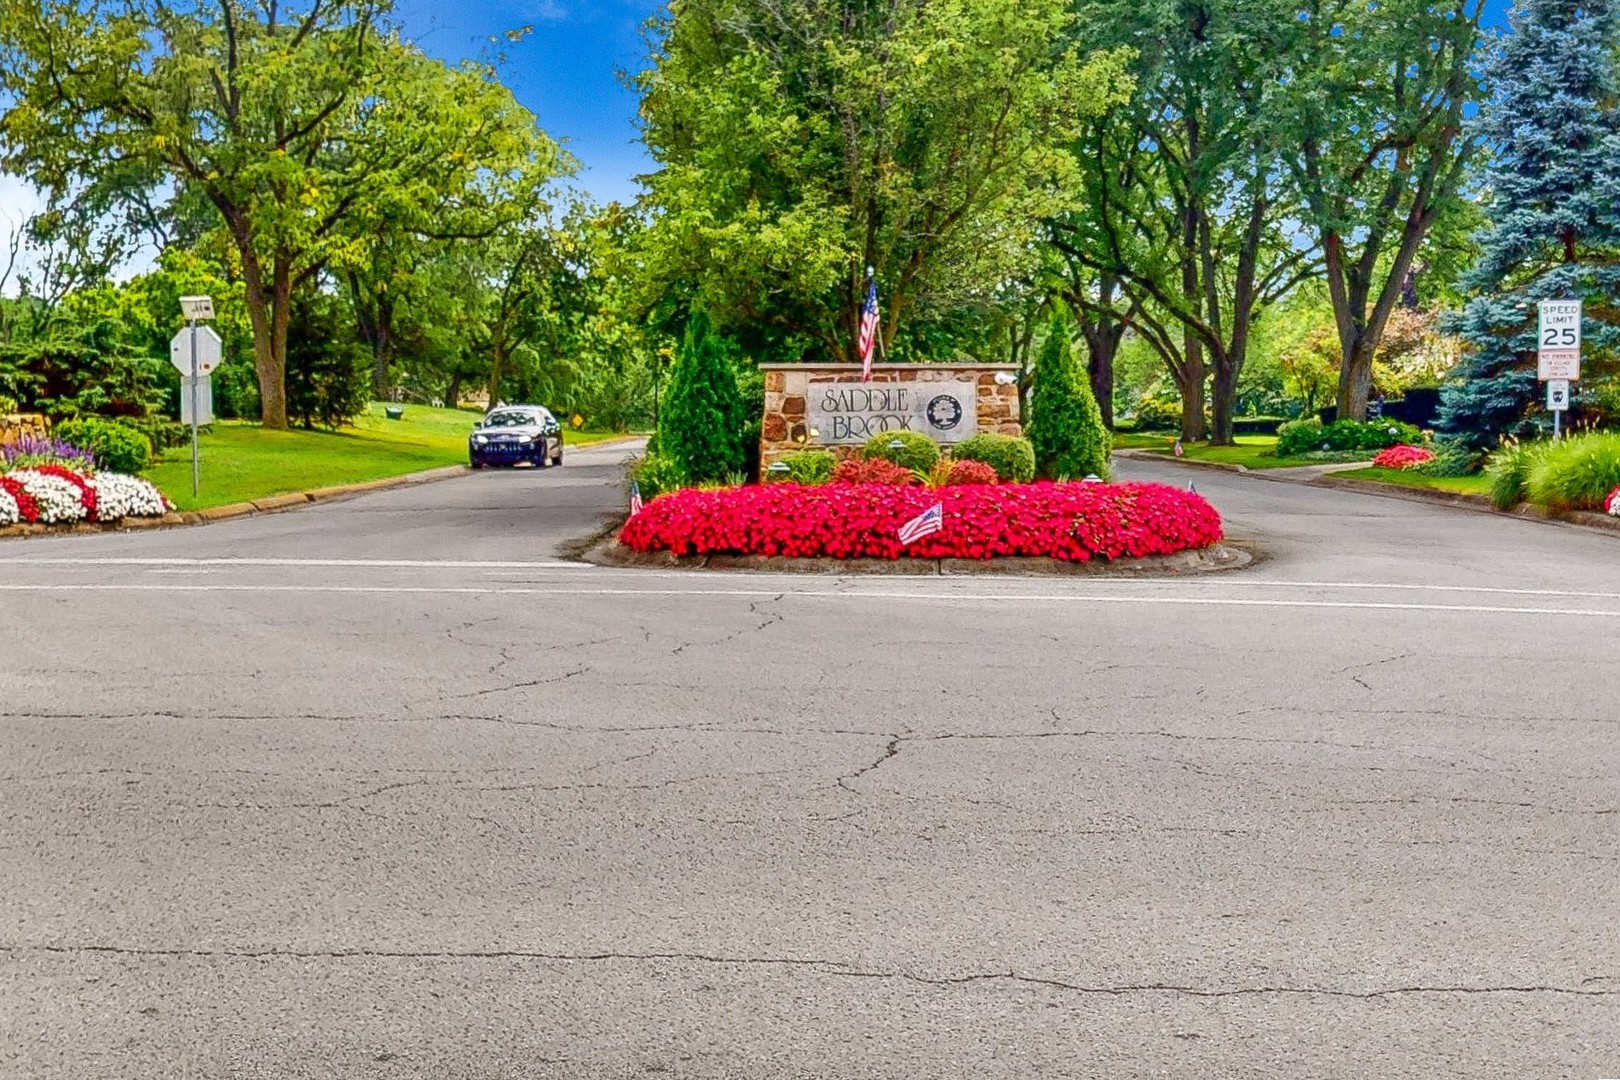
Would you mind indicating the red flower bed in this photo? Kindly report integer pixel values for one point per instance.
(1071, 521)
(1402, 457)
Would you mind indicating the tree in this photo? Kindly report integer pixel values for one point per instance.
(1378, 96)
(326, 363)
(288, 119)
(1065, 426)
(799, 142)
(1194, 216)
(700, 427)
(1552, 184)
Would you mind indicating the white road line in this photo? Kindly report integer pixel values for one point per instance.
(407, 564)
(588, 569)
(1071, 598)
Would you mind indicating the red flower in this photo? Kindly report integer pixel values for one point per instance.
(1402, 457)
(27, 508)
(1070, 521)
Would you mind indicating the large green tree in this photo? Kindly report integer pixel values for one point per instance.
(799, 142)
(1377, 103)
(291, 119)
(1194, 216)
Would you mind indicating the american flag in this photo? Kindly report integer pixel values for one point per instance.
(867, 342)
(635, 498)
(929, 521)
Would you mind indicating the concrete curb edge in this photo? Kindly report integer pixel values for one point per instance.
(268, 505)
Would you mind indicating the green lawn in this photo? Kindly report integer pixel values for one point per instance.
(242, 461)
(1478, 484)
(1251, 451)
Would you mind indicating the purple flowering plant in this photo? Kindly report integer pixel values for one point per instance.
(30, 452)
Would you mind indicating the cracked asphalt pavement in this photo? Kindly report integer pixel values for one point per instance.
(389, 787)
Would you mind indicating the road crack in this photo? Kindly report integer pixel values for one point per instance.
(836, 968)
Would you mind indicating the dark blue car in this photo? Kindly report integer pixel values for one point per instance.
(514, 434)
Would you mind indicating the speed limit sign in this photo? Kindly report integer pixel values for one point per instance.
(1558, 340)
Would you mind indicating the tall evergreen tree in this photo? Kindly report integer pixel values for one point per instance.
(1065, 425)
(700, 426)
(1552, 183)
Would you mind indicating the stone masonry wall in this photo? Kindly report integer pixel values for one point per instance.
(14, 427)
(788, 389)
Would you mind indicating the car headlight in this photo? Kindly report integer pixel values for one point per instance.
(480, 440)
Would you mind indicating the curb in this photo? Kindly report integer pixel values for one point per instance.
(1223, 556)
(1585, 519)
(268, 505)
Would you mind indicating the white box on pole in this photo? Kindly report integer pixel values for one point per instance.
(205, 400)
(1558, 340)
(1558, 395)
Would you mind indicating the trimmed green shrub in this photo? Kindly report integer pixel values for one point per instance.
(1450, 459)
(915, 451)
(655, 474)
(807, 467)
(700, 428)
(117, 448)
(1012, 457)
(1576, 473)
(1158, 412)
(1509, 470)
(1371, 435)
(1065, 425)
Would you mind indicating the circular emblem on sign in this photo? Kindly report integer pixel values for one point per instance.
(944, 412)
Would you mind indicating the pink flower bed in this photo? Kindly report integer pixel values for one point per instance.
(1402, 457)
(1070, 521)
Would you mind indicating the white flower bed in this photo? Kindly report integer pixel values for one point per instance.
(51, 495)
(120, 496)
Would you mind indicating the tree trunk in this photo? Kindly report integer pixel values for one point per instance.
(1355, 381)
(382, 347)
(1189, 379)
(268, 361)
(452, 392)
(274, 413)
(1225, 401)
(1102, 345)
(497, 365)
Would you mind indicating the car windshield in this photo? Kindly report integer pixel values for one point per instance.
(510, 419)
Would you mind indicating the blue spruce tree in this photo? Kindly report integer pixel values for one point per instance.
(1552, 185)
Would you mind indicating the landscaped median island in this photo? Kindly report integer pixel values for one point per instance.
(1074, 521)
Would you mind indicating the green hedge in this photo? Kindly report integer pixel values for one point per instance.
(1012, 457)
(117, 448)
(1371, 435)
(914, 451)
(1576, 473)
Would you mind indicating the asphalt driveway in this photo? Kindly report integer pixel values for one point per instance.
(389, 787)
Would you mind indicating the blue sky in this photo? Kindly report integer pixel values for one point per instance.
(565, 71)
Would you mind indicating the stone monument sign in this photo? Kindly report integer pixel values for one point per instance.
(829, 406)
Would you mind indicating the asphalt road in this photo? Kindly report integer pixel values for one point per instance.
(384, 788)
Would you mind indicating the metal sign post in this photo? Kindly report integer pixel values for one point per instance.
(1557, 402)
(1558, 353)
(195, 309)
